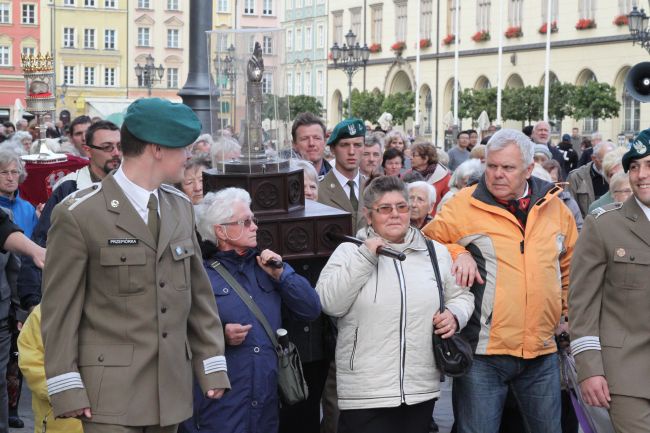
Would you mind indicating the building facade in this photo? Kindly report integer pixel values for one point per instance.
(305, 23)
(19, 34)
(589, 41)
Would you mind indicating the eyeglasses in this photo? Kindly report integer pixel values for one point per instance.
(13, 173)
(616, 191)
(108, 149)
(387, 209)
(246, 223)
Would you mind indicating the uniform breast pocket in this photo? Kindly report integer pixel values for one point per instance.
(124, 269)
(182, 252)
(631, 268)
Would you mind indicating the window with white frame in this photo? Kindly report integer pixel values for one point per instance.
(320, 36)
(251, 44)
(631, 113)
(89, 38)
(5, 55)
(320, 83)
(144, 37)
(289, 40)
(400, 21)
(298, 89)
(308, 2)
(483, 16)
(289, 83)
(110, 4)
(587, 9)
(89, 76)
(308, 44)
(172, 5)
(554, 10)
(267, 45)
(337, 27)
(225, 106)
(172, 38)
(68, 2)
(109, 77)
(355, 22)
(222, 6)
(249, 7)
(222, 43)
(298, 39)
(172, 78)
(28, 51)
(68, 37)
(28, 13)
(89, 3)
(267, 7)
(625, 6)
(426, 19)
(451, 16)
(144, 4)
(68, 75)
(376, 18)
(5, 13)
(307, 86)
(267, 83)
(516, 12)
(110, 39)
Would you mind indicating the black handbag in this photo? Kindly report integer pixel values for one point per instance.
(453, 355)
(291, 379)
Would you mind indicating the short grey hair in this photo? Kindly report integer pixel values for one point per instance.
(596, 136)
(382, 185)
(373, 139)
(7, 157)
(204, 137)
(612, 159)
(393, 134)
(217, 208)
(598, 147)
(505, 137)
(307, 168)
(223, 146)
(467, 169)
(431, 191)
(617, 180)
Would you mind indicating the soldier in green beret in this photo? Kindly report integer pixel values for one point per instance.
(128, 312)
(609, 300)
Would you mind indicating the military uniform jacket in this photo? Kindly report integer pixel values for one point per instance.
(331, 193)
(609, 299)
(127, 320)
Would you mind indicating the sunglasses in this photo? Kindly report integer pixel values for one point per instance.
(246, 223)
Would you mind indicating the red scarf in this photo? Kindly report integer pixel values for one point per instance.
(519, 207)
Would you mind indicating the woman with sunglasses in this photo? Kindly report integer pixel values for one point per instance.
(226, 220)
(386, 312)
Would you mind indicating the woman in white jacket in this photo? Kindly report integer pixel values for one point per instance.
(387, 310)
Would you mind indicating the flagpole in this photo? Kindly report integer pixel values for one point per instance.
(457, 37)
(548, 57)
(417, 72)
(497, 121)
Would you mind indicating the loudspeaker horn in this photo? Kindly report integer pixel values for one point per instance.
(637, 82)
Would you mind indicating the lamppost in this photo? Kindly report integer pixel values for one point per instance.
(350, 57)
(227, 67)
(63, 92)
(149, 73)
(638, 24)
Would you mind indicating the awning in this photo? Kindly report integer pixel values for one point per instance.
(103, 107)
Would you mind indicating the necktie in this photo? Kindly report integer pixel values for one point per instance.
(353, 196)
(152, 217)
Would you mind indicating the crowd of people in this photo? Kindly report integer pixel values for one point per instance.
(135, 319)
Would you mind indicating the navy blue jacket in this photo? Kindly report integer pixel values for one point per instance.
(252, 405)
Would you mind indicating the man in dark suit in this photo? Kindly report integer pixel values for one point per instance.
(128, 311)
(608, 300)
(343, 186)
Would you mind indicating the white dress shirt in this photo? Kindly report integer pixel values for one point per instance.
(138, 196)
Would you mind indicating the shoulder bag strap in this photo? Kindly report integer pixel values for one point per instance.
(248, 300)
(436, 270)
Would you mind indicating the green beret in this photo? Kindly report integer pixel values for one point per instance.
(348, 128)
(639, 149)
(158, 121)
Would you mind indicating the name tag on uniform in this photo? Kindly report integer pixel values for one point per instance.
(123, 241)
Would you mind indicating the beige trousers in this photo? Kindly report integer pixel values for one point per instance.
(630, 414)
(94, 427)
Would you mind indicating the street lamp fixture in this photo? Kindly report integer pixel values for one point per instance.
(350, 57)
(638, 25)
(149, 73)
(64, 91)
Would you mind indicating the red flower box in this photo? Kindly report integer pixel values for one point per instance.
(542, 29)
(585, 24)
(481, 36)
(449, 39)
(621, 20)
(425, 43)
(398, 46)
(375, 48)
(513, 32)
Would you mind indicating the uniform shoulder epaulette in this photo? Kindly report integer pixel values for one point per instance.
(172, 190)
(75, 198)
(604, 209)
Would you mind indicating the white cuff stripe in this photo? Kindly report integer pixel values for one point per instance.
(214, 364)
(585, 343)
(64, 382)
